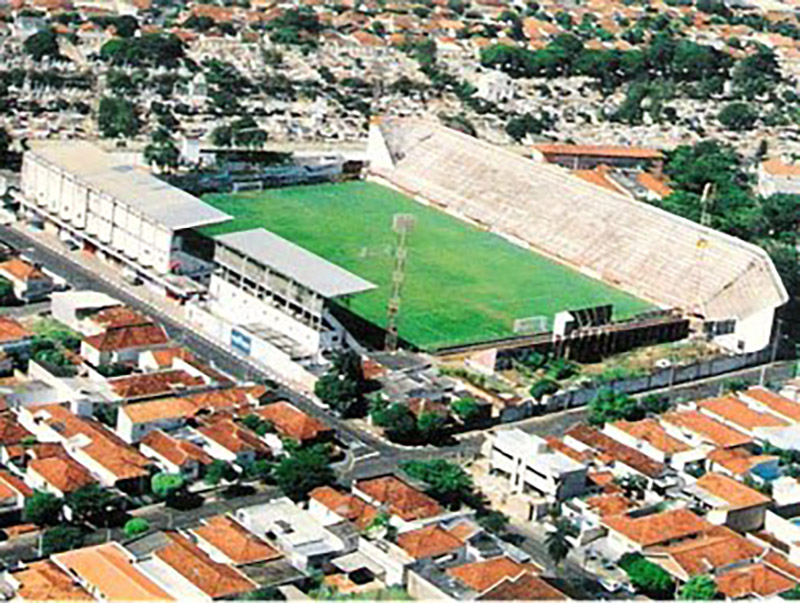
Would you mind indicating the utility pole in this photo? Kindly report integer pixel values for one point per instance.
(402, 224)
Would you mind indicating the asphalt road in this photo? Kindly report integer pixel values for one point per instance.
(26, 548)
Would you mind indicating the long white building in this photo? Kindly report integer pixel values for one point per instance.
(114, 209)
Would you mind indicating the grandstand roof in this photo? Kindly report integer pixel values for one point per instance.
(637, 247)
(163, 203)
(308, 269)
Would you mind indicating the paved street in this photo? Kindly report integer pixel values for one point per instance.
(26, 548)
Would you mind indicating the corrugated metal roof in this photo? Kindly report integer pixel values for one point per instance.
(302, 266)
(161, 202)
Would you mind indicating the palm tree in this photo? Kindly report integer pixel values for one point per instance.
(557, 541)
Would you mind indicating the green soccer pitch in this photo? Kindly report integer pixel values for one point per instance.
(463, 285)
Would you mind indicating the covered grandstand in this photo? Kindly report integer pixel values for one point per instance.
(641, 249)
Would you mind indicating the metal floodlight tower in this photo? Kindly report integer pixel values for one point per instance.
(402, 224)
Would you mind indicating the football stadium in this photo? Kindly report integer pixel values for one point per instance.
(500, 238)
(463, 284)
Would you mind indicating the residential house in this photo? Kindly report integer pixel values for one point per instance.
(214, 579)
(777, 176)
(714, 551)
(154, 385)
(29, 282)
(532, 465)
(291, 422)
(330, 506)
(432, 542)
(524, 587)
(740, 463)
(757, 581)
(227, 541)
(736, 414)
(15, 340)
(407, 506)
(122, 344)
(45, 581)
(621, 459)
(297, 534)
(175, 455)
(114, 462)
(696, 428)
(636, 532)
(135, 421)
(13, 493)
(729, 502)
(649, 437)
(763, 400)
(108, 572)
(228, 441)
(59, 475)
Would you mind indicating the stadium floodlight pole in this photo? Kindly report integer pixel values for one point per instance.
(402, 224)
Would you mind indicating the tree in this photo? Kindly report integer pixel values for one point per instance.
(162, 150)
(467, 409)
(557, 540)
(447, 482)
(738, 116)
(792, 595)
(544, 387)
(399, 424)
(61, 538)
(42, 44)
(217, 471)
(493, 521)
(117, 118)
(136, 526)
(343, 386)
(647, 577)
(90, 503)
(698, 588)
(167, 485)
(5, 148)
(302, 470)
(43, 508)
(432, 427)
(610, 405)
(6, 291)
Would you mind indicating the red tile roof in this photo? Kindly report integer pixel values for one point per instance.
(525, 587)
(737, 412)
(292, 422)
(233, 437)
(128, 337)
(591, 437)
(45, 581)
(484, 574)
(345, 505)
(21, 270)
(718, 548)
(65, 474)
(753, 580)
(430, 541)
(706, 428)
(402, 500)
(789, 409)
(735, 494)
(176, 451)
(235, 542)
(106, 448)
(11, 330)
(215, 579)
(149, 385)
(658, 528)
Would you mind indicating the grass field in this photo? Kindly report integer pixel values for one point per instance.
(463, 284)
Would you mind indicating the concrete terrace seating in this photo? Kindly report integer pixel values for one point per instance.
(642, 249)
